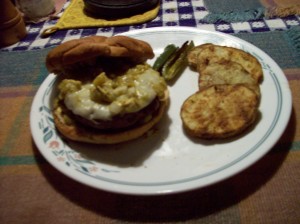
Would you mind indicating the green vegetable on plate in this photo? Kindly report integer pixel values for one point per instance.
(161, 60)
(173, 60)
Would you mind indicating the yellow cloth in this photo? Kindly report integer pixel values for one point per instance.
(74, 17)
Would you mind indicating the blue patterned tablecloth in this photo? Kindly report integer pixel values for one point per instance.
(189, 13)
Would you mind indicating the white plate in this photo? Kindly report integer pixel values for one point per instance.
(168, 161)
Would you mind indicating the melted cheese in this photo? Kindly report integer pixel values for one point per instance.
(106, 97)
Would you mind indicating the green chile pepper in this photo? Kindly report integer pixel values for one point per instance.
(177, 62)
(161, 60)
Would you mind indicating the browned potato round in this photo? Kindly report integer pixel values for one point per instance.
(219, 111)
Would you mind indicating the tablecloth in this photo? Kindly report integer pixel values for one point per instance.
(172, 13)
(33, 191)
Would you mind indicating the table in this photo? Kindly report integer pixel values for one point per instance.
(32, 191)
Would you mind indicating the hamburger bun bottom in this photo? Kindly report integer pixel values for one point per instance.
(79, 133)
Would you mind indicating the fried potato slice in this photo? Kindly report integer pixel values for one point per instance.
(211, 54)
(219, 111)
(228, 99)
(226, 72)
(193, 55)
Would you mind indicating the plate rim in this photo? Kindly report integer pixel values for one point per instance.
(284, 120)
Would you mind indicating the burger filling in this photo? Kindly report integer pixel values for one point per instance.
(114, 101)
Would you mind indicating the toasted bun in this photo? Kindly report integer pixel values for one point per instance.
(85, 49)
(219, 111)
(71, 130)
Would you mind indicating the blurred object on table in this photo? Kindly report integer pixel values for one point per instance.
(12, 26)
(245, 10)
(118, 8)
(281, 8)
(35, 11)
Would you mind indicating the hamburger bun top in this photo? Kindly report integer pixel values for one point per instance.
(83, 50)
